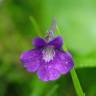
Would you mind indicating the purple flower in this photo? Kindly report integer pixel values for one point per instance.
(48, 58)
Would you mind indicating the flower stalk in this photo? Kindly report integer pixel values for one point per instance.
(76, 83)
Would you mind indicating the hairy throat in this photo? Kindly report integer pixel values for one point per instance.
(48, 54)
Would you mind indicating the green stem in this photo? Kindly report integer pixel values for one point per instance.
(76, 83)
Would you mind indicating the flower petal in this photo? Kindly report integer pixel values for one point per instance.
(43, 73)
(57, 42)
(61, 64)
(47, 72)
(53, 73)
(38, 42)
(63, 61)
(31, 59)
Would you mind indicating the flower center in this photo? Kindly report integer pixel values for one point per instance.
(48, 54)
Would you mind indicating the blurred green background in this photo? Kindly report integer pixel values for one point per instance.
(21, 20)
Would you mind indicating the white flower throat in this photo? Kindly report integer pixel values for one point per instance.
(48, 54)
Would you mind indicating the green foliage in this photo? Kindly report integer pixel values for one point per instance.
(21, 20)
